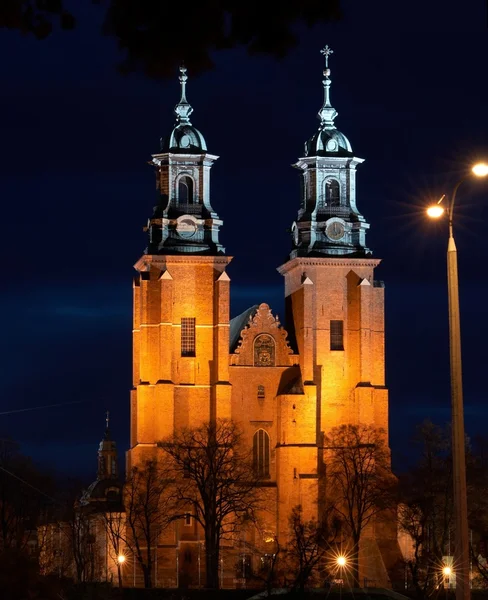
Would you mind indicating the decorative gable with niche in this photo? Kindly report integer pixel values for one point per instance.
(263, 342)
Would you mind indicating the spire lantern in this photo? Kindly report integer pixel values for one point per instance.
(327, 113)
(183, 109)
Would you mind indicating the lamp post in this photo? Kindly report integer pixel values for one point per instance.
(461, 551)
(341, 562)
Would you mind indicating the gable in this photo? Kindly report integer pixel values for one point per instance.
(262, 341)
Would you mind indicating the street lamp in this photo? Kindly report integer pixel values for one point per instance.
(341, 561)
(461, 552)
(121, 559)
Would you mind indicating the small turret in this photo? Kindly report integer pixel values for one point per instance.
(184, 222)
(107, 455)
(329, 223)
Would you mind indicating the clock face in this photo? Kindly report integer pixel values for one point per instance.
(186, 227)
(335, 231)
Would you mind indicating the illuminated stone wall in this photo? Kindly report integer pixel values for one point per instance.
(289, 384)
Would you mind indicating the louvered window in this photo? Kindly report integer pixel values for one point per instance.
(188, 346)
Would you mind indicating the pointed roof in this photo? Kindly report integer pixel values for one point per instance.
(237, 324)
(328, 141)
(184, 138)
(105, 493)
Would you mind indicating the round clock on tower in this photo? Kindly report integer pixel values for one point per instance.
(335, 230)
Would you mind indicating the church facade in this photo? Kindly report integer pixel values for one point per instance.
(285, 385)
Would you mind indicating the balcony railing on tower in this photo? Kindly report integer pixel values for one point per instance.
(189, 209)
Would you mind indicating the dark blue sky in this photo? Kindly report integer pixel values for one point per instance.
(411, 91)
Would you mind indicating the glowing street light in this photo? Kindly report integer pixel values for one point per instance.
(461, 553)
(121, 559)
(435, 212)
(480, 170)
(341, 561)
(446, 571)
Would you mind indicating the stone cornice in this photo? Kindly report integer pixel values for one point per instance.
(161, 260)
(320, 162)
(163, 157)
(327, 262)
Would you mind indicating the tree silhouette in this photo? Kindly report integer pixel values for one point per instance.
(358, 469)
(147, 512)
(155, 36)
(215, 482)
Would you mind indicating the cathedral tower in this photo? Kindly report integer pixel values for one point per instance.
(181, 297)
(333, 300)
(335, 308)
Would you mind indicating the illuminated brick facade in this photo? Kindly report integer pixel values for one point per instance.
(192, 363)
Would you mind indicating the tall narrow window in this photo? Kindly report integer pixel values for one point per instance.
(303, 191)
(337, 335)
(188, 336)
(261, 394)
(261, 453)
(332, 193)
(185, 190)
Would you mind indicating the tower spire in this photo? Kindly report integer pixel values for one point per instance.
(327, 113)
(183, 109)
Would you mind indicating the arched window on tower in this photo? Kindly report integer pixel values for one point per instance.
(332, 193)
(260, 449)
(303, 191)
(185, 190)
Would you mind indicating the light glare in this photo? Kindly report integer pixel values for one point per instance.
(341, 561)
(480, 170)
(121, 558)
(435, 211)
(446, 571)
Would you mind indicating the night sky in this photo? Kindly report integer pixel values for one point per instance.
(410, 87)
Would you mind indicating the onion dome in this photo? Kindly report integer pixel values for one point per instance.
(328, 141)
(184, 138)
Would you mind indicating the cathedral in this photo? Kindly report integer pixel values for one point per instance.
(286, 385)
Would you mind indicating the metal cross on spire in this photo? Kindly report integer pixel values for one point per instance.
(327, 113)
(327, 51)
(107, 418)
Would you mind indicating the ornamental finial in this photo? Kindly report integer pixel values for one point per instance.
(183, 110)
(327, 114)
(327, 51)
(107, 419)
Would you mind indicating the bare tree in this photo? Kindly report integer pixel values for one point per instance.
(425, 514)
(77, 531)
(148, 514)
(215, 482)
(268, 568)
(477, 480)
(270, 560)
(24, 493)
(115, 531)
(359, 475)
(309, 543)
